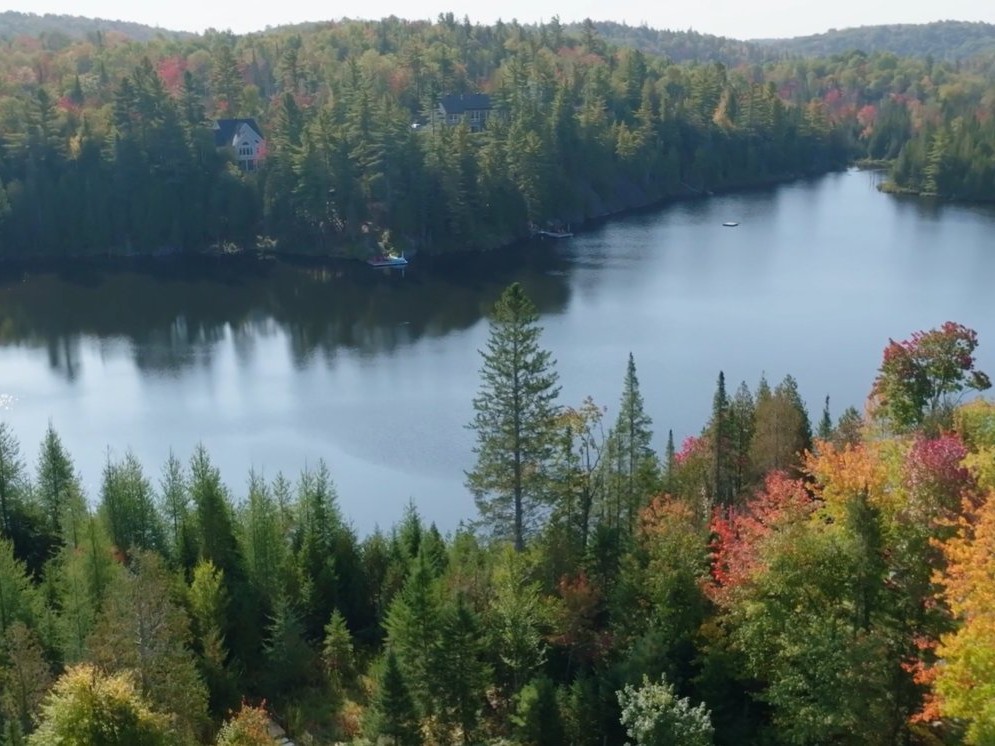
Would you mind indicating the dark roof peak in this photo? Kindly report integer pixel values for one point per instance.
(225, 129)
(457, 103)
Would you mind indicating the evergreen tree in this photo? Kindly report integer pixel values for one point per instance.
(58, 491)
(516, 622)
(513, 421)
(337, 651)
(393, 713)
(174, 506)
(719, 431)
(782, 430)
(19, 600)
(127, 507)
(217, 543)
(849, 428)
(742, 421)
(80, 578)
(208, 602)
(290, 664)
(670, 461)
(537, 720)
(461, 672)
(264, 543)
(326, 556)
(13, 480)
(413, 632)
(214, 520)
(226, 80)
(635, 464)
(826, 423)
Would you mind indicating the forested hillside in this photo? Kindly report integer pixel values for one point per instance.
(942, 40)
(56, 31)
(680, 46)
(106, 146)
(771, 581)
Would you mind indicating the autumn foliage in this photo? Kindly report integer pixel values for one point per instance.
(919, 377)
(965, 682)
(739, 532)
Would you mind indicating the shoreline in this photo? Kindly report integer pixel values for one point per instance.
(252, 257)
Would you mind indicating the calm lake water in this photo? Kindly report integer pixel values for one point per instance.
(273, 366)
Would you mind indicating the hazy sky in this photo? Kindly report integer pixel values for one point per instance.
(743, 19)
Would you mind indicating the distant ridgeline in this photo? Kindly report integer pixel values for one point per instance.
(56, 31)
(107, 145)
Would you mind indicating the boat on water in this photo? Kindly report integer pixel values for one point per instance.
(730, 224)
(554, 234)
(387, 260)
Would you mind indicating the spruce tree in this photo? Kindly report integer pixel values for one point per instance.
(413, 632)
(719, 431)
(394, 716)
(128, 508)
(670, 462)
(19, 601)
(337, 651)
(742, 423)
(12, 479)
(461, 672)
(263, 541)
(635, 463)
(513, 423)
(21, 521)
(826, 423)
(174, 507)
(58, 491)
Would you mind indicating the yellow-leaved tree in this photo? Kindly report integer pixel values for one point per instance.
(87, 706)
(965, 683)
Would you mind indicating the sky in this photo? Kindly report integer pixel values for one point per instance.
(741, 19)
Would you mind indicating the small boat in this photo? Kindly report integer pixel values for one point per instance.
(730, 224)
(387, 260)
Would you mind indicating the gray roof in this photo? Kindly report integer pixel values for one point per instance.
(225, 130)
(465, 102)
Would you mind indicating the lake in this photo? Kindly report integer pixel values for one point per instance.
(275, 365)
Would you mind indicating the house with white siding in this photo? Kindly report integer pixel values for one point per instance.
(245, 140)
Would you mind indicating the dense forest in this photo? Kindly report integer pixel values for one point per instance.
(107, 148)
(952, 41)
(56, 31)
(942, 40)
(770, 581)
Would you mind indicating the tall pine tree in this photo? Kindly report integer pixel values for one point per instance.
(514, 420)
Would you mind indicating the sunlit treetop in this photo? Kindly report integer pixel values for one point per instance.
(921, 378)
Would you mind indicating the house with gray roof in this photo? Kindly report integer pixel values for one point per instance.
(472, 108)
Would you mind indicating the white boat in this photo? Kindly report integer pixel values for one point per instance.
(730, 224)
(387, 260)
